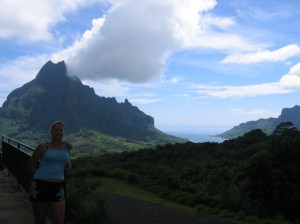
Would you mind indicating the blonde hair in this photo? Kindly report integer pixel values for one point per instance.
(55, 123)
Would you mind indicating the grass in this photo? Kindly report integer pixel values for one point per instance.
(119, 187)
(110, 185)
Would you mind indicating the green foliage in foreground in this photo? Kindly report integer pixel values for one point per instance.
(254, 176)
(84, 203)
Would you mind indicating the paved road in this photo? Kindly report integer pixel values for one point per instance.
(14, 205)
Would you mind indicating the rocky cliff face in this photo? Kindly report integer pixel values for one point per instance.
(289, 114)
(52, 95)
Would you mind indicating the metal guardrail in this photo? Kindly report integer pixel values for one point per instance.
(15, 158)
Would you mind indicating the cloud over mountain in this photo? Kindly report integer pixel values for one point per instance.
(132, 41)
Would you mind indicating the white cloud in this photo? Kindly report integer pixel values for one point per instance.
(134, 39)
(80, 44)
(131, 42)
(18, 72)
(281, 54)
(109, 88)
(221, 41)
(288, 83)
(209, 21)
(144, 100)
(175, 80)
(21, 70)
(257, 112)
(224, 92)
(135, 50)
(292, 79)
(31, 20)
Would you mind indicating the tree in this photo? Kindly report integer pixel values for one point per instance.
(285, 128)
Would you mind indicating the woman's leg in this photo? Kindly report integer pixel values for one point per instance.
(40, 212)
(57, 212)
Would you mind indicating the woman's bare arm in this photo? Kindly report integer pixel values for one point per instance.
(36, 155)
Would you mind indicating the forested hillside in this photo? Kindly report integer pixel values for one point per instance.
(53, 95)
(94, 124)
(267, 125)
(254, 175)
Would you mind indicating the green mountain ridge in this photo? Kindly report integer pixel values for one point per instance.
(52, 95)
(266, 125)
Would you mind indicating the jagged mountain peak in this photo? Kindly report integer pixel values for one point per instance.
(53, 73)
(53, 95)
(51, 69)
(49, 77)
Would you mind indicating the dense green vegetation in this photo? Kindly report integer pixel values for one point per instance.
(85, 141)
(252, 176)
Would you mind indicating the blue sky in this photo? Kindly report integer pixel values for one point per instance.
(208, 63)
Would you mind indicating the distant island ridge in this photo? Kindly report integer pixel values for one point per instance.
(213, 133)
(267, 125)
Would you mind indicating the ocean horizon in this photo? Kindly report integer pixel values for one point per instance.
(198, 138)
(196, 133)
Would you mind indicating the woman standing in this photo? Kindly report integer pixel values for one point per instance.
(47, 165)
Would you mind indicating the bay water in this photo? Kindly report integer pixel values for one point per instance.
(195, 133)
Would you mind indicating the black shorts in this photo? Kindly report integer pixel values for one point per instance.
(43, 191)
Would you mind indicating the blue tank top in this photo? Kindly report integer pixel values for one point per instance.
(52, 164)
